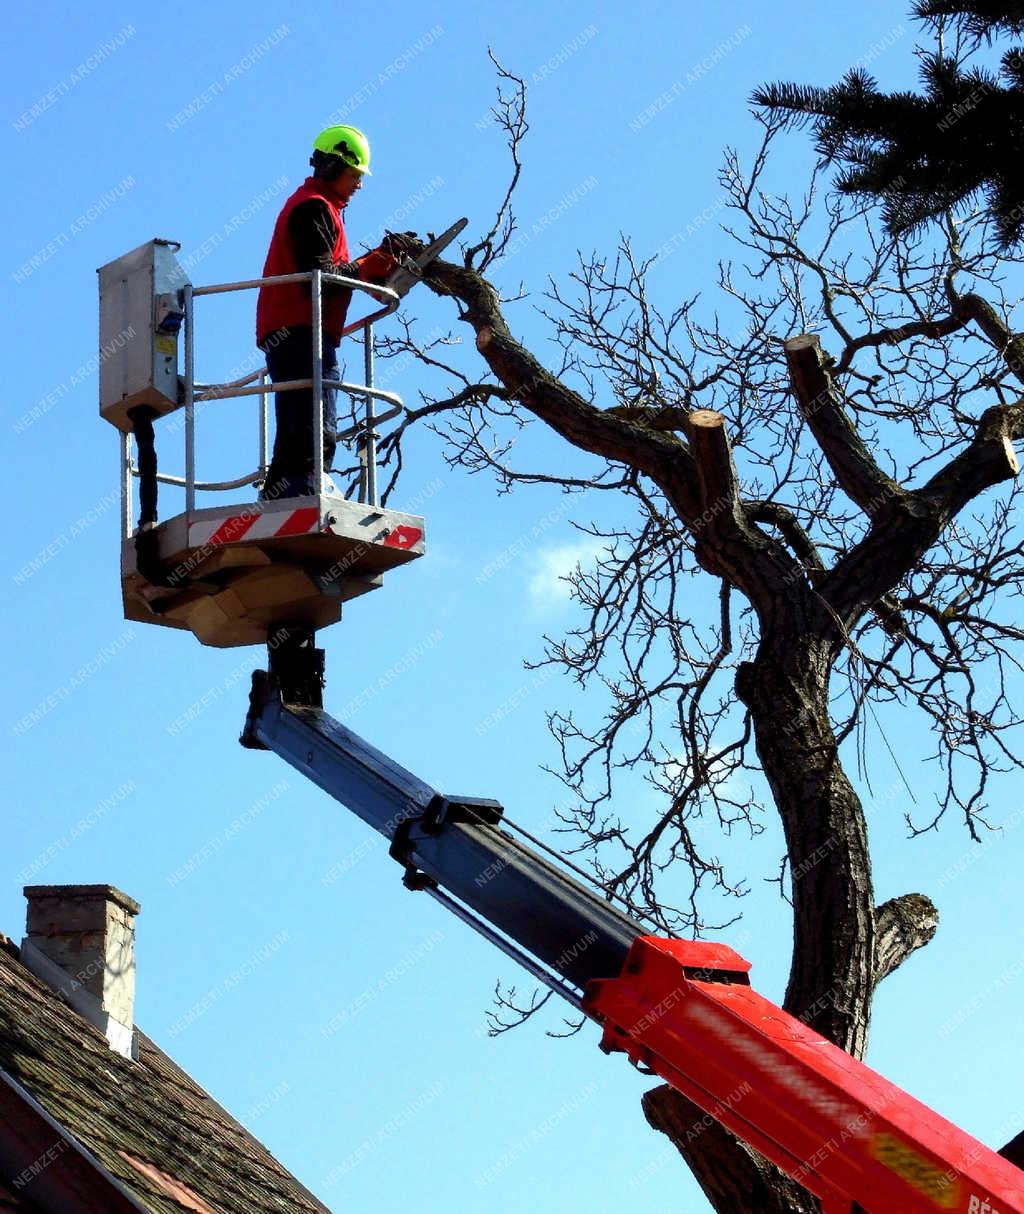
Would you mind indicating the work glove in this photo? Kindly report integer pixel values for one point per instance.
(376, 265)
(347, 269)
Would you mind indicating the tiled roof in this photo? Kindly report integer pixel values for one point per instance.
(150, 1125)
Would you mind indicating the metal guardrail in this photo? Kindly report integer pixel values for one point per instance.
(256, 384)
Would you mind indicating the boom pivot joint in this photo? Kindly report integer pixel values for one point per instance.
(295, 678)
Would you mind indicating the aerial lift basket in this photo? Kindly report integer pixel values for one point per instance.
(231, 573)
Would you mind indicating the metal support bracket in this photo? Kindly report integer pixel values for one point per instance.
(295, 677)
(296, 666)
(440, 811)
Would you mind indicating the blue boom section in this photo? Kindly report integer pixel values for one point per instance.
(455, 844)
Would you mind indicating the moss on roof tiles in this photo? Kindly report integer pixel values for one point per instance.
(150, 1109)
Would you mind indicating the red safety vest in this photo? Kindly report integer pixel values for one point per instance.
(288, 304)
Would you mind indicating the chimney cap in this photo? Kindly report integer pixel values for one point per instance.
(109, 893)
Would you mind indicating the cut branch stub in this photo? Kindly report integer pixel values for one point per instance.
(902, 925)
(1012, 462)
(726, 541)
(989, 459)
(716, 472)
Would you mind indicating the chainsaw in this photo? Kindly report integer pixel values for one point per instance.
(410, 269)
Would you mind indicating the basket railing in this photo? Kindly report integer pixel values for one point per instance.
(256, 383)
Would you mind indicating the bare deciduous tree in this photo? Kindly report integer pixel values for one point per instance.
(822, 485)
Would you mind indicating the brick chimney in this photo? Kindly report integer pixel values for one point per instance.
(81, 941)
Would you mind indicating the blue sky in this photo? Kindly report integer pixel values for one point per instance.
(280, 960)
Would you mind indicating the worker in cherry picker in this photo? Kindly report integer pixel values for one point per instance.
(310, 235)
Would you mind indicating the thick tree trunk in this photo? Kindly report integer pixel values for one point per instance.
(831, 980)
(836, 965)
(833, 969)
(735, 1179)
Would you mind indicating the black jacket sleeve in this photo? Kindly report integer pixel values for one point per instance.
(312, 231)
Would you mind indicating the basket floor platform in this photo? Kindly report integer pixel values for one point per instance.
(232, 574)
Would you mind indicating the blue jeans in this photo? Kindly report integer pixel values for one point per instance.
(290, 356)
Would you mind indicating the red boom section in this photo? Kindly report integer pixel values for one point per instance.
(685, 1009)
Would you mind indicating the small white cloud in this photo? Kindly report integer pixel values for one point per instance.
(547, 585)
(721, 778)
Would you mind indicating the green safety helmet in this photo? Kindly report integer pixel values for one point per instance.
(347, 143)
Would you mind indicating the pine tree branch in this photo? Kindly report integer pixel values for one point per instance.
(982, 17)
(921, 154)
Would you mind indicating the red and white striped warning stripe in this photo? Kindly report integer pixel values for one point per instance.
(253, 525)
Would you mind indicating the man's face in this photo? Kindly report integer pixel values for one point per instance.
(346, 184)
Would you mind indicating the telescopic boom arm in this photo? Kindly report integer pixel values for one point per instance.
(681, 1009)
